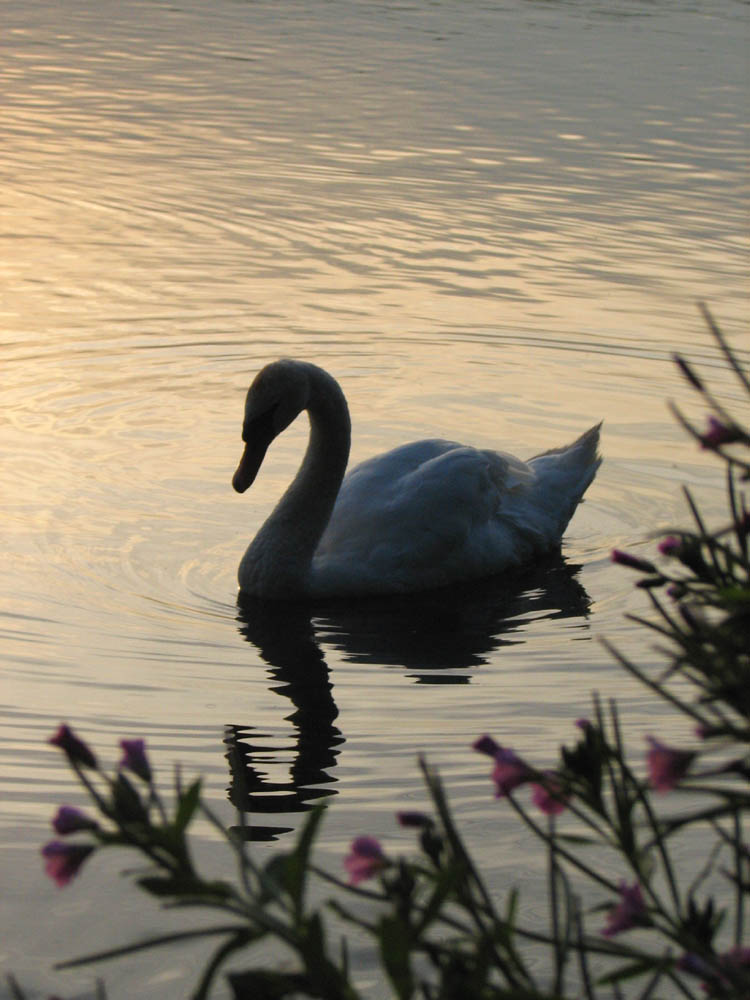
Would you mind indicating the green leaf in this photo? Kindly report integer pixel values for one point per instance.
(574, 838)
(445, 881)
(325, 979)
(187, 804)
(297, 863)
(631, 970)
(127, 806)
(15, 989)
(394, 939)
(184, 885)
(274, 876)
(259, 984)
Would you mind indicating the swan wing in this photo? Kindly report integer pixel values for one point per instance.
(423, 514)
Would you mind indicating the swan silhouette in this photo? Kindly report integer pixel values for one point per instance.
(424, 515)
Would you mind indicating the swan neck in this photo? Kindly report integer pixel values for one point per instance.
(279, 559)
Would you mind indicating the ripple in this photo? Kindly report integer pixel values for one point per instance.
(186, 198)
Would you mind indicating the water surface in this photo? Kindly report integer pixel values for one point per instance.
(491, 222)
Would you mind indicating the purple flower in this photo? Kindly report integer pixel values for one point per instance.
(74, 749)
(548, 796)
(418, 820)
(629, 912)
(634, 562)
(366, 858)
(732, 962)
(486, 745)
(666, 766)
(694, 964)
(509, 771)
(70, 820)
(739, 957)
(134, 757)
(670, 545)
(63, 861)
(719, 433)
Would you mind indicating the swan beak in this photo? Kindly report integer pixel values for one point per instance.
(258, 435)
(250, 463)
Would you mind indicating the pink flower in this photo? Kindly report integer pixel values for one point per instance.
(549, 796)
(629, 912)
(694, 964)
(719, 433)
(365, 859)
(70, 820)
(486, 745)
(737, 956)
(74, 749)
(670, 545)
(63, 861)
(509, 772)
(634, 562)
(134, 757)
(717, 982)
(666, 766)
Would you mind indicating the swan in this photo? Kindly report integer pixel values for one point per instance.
(424, 515)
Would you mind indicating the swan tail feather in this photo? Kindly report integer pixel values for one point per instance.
(564, 474)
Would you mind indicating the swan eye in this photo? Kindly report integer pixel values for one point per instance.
(261, 425)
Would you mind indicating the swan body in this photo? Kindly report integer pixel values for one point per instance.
(423, 515)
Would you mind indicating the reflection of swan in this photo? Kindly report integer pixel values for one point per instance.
(424, 515)
(285, 638)
(438, 637)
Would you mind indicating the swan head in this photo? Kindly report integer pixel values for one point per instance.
(278, 394)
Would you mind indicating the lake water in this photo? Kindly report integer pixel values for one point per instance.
(491, 221)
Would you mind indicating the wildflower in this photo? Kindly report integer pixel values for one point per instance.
(134, 757)
(365, 860)
(719, 433)
(666, 766)
(629, 912)
(74, 749)
(736, 959)
(63, 861)
(717, 981)
(485, 744)
(634, 562)
(548, 795)
(415, 819)
(695, 965)
(509, 772)
(670, 545)
(70, 820)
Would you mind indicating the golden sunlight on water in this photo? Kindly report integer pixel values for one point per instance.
(490, 224)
